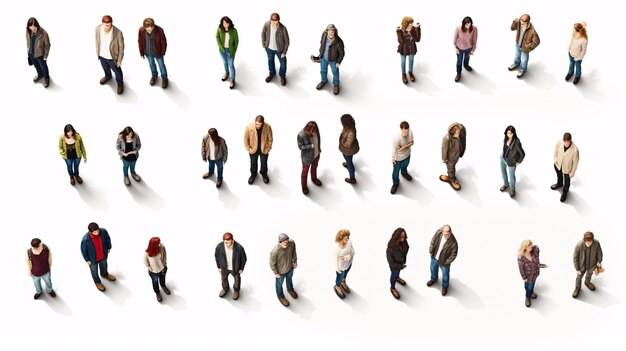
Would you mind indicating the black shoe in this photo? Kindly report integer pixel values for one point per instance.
(266, 179)
(407, 176)
(563, 197)
(568, 76)
(468, 68)
(527, 302)
(283, 80)
(555, 186)
(37, 296)
(576, 80)
(166, 290)
(512, 193)
(224, 77)
(46, 82)
(232, 84)
(37, 78)
(394, 188)
(251, 179)
(52, 293)
(269, 78)
(458, 77)
(218, 183)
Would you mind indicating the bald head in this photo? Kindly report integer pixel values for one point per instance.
(447, 231)
(525, 18)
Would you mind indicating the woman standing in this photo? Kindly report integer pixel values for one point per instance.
(397, 249)
(309, 142)
(215, 151)
(128, 145)
(155, 259)
(344, 255)
(72, 150)
(577, 50)
(465, 38)
(227, 41)
(38, 44)
(529, 264)
(408, 34)
(348, 145)
(512, 155)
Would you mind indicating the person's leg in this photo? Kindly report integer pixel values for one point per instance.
(411, 59)
(36, 64)
(225, 60)
(451, 165)
(152, 64)
(459, 61)
(47, 278)
(528, 286)
(350, 166)
(70, 168)
(518, 54)
(403, 63)
(220, 169)
(254, 158)
(525, 56)
(104, 271)
(588, 275)
(445, 275)
(289, 276)
(93, 267)
(237, 284)
(279, 285)
(324, 69)
(579, 279)
(395, 174)
(37, 282)
(154, 277)
(434, 269)
(314, 167)
(338, 278)
(119, 75)
(503, 167)
(231, 64)
(282, 71)
(75, 164)
(305, 173)
(162, 277)
(566, 182)
(270, 61)
(161, 61)
(224, 275)
(577, 64)
(466, 57)
(132, 167)
(570, 70)
(559, 176)
(404, 165)
(395, 274)
(43, 65)
(125, 165)
(512, 176)
(335, 70)
(105, 67)
(264, 157)
(211, 167)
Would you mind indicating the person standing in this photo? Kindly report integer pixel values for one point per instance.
(152, 45)
(348, 145)
(443, 250)
(397, 250)
(110, 51)
(408, 35)
(309, 143)
(331, 53)
(128, 145)
(95, 247)
(155, 259)
(566, 158)
(230, 258)
(529, 265)
(215, 151)
(465, 38)
(275, 41)
(72, 150)
(258, 139)
(577, 50)
(512, 155)
(452, 149)
(587, 258)
(38, 45)
(227, 42)
(39, 260)
(526, 40)
(401, 155)
(283, 260)
(344, 254)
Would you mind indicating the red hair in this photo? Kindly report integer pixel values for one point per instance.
(153, 246)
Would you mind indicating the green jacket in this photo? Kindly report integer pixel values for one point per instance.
(233, 40)
(80, 147)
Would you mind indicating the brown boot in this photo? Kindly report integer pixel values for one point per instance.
(79, 180)
(590, 286)
(305, 188)
(223, 292)
(411, 77)
(293, 293)
(159, 298)
(575, 293)
(283, 301)
(456, 186)
(458, 77)
(345, 286)
(339, 292)
(401, 281)
(110, 277)
(444, 178)
(404, 80)
(395, 293)
(235, 294)
(100, 286)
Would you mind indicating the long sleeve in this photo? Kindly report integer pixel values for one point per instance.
(600, 254)
(80, 144)
(246, 139)
(164, 41)
(224, 150)
(444, 149)
(140, 43)
(235, 41)
(416, 33)
(146, 262)
(83, 249)
(62, 147)
(121, 47)
(243, 258)
(514, 25)
(137, 142)
(453, 253)
(456, 36)
(556, 151)
(303, 144)
(46, 45)
(340, 51)
(285, 39)
(270, 137)
(294, 258)
(583, 49)
(163, 255)
(395, 145)
(203, 150)
(120, 145)
(337, 259)
(50, 256)
(576, 257)
(522, 153)
(273, 257)
(474, 38)
(575, 159)
(522, 270)
(218, 39)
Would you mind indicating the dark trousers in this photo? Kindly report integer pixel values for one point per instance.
(158, 278)
(529, 287)
(562, 179)
(254, 165)
(462, 58)
(395, 274)
(41, 66)
(107, 66)
(235, 275)
(103, 270)
(305, 170)
(270, 62)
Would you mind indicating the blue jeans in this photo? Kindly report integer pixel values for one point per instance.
(395, 274)
(107, 66)
(403, 63)
(40, 65)
(72, 166)
(522, 57)
(229, 62)
(103, 270)
(462, 58)
(128, 164)
(220, 168)
(341, 276)
(350, 165)
(574, 63)
(46, 279)
(270, 62)
(529, 287)
(503, 168)
(324, 70)
(153, 69)
(434, 272)
(279, 283)
(158, 278)
(400, 166)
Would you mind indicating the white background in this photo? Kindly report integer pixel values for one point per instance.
(484, 308)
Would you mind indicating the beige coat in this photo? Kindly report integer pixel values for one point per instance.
(566, 161)
(250, 141)
(117, 43)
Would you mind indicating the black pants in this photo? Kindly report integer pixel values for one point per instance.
(254, 158)
(235, 275)
(158, 278)
(562, 179)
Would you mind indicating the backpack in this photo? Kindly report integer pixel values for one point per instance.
(30, 252)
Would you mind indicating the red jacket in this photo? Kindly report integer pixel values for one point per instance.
(159, 42)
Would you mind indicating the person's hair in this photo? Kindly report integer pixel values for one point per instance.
(466, 20)
(525, 17)
(525, 244)
(347, 121)
(512, 129)
(580, 29)
(275, 15)
(107, 19)
(215, 137)
(92, 227)
(567, 137)
(405, 22)
(35, 243)
(588, 236)
(153, 246)
(341, 234)
(126, 131)
(260, 118)
(69, 127)
(148, 22)
(227, 20)
(227, 236)
(311, 129)
(404, 125)
(454, 129)
(32, 22)
(395, 237)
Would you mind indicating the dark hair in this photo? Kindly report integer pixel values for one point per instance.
(215, 137)
(260, 118)
(36, 241)
(588, 236)
(92, 227)
(395, 237)
(32, 22)
(107, 19)
(275, 15)
(311, 128)
(148, 22)
(126, 131)
(227, 236)
(467, 19)
(404, 125)
(69, 127)
(153, 246)
(347, 121)
(512, 129)
(567, 137)
(229, 21)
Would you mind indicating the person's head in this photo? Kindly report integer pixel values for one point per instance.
(467, 24)
(455, 131)
(406, 22)
(258, 121)
(510, 133)
(525, 248)
(69, 131)
(35, 243)
(107, 23)
(226, 23)
(525, 19)
(580, 30)
(397, 238)
(93, 228)
(153, 246)
(446, 231)
(311, 129)
(347, 121)
(283, 240)
(128, 132)
(228, 240)
(274, 18)
(588, 238)
(404, 128)
(215, 137)
(32, 25)
(148, 25)
(342, 236)
(331, 30)
(567, 139)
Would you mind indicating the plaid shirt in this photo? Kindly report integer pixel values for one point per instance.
(529, 269)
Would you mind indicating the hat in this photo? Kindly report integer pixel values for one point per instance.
(331, 26)
(282, 237)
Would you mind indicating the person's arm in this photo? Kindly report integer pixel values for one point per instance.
(84, 251)
(453, 252)
(235, 41)
(120, 57)
(29, 264)
(535, 40)
(337, 259)
(141, 43)
(46, 45)
(474, 40)
(348, 141)
(576, 258)
(417, 33)
(583, 49)
(515, 24)
(522, 153)
(120, 145)
(246, 140)
(242, 260)
(217, 256)
(522, 270)
(455, 38)
(556, 150)
(224, 151)
(302, 145)
(49, 257)
(164, 41)
(444, 149)
(294, 258)
(273, 265)
(137, 143)
(81, 147)
(340, 51)
(203, 151)
(146, 262)
(220, 45)
(574, 164)
(400, 36)
(270, 137)
(62, 147)
(286, 40)
(600, 255)
(263, 35)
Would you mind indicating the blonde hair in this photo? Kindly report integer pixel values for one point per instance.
(580, 29)
(405, 22)
(341, 234)
(522, 249)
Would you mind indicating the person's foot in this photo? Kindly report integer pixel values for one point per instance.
(218, 183)
(305, 189)
(555, 186)
(345, 286)
(79, 180)
(404, 80)
(46, 82)
(563, 197)
(110, 277)
(430, 283)
(251, 179)
(406, 176)
(153, 80)
(236, 295)
(232, 84)
(52, 293)
(37, 296)
(395, 293)
(120, 89)
(568, 76)
(344, 164)
(225, 76)
(206, 175)
(590, 286)
(36, 78)
(126, 181)
(104, 80)
(223, 292)
(336, 89)
(283, 80)
(266, 179)
(320, 85)
(394, 188)
(533, 296)
(166, 290)
(316, 181)
(269, 78)
(100, 286)
(411, 77)
(283, 301)
(72, 181)
(164, 83)
(339, 292)
(527, 302)
(456, 186)
(512, 193)
(576, 80)
(458, 77)
(159, 298)
(513, 66)
(293, 293)
(444, 178)
(468, 68)
(576, 292)
(503, 188)
(520, 74)
(136, 177)
(350, 180)
(401, 281)
(444, 291)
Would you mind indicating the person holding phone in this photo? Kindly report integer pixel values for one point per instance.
(128, 145)
(529, 265)
(526, 40)
(408, 34)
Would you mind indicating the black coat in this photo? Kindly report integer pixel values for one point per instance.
(239, 257)
(516, 153)
(396, 255)
(335, 50)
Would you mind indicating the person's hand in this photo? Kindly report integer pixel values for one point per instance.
(219, 270)
(445, 161)
(143, 57)
(516, 164)
(471, 53)
(30, 274)
(543, 265)
(277, 276)
(150, 269)
(124, 154)
(118, 63)
(578, 272)
(337, 65)
(525, 280)
(599, 264)
(89, 263)
(457, 50)
(417, 25)
(571, 176)
(205, 160)
(393, 162)
(312, 146)
(240, 271)
(85, 159)
(283, 55)
(295, 265)
(109, 250)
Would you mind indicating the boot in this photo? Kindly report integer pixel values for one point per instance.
(458, 77)
(404, 80)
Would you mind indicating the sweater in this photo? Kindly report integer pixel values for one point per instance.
(578, 48)
(156, 264)
(42, 43)
(233, 40)
(465, 40)
(398, 142)
(117, 43)
(80, 147)
(282, 37)
(348, 143)
(566, 161)
(342, 265)
(159, 42)
(282, 260)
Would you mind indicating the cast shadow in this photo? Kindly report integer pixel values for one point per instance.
(246, 302)
(600, 297)
(94, 197)
(354, 87)
(275, 188)
(469, 189)
(544, 305)
(174, 301)
(144, 195)
(478, 82)
(228, 199)
(58, 305)
(467, 297)
(116, 291)
(293, 89)
(588, 86)
(522, 195)
(174, 93)
(356, 302)
(301, 306)
(324, 196)
(54, 87)
(249, 87)
(422, 83)
(363, 177)
(128, 96)
(414, 190)
(537, 76)
(579, 204)
(408, 295)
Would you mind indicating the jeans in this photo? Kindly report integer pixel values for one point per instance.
(462, 58)
(305, 170)
(399, 166)
(350, 165)
(159, 60)
(574, 63)
(103, 270)
(519, 54)
(72, 166)
(254, 159)
(587, 275)
(324, 70)
(403, 63)
(562, 179)
(529, 287)
(270, 62)
(395, 274)
(158, 278)
(341, 276)
(41, 66)
(229, 62)
(434, 272)
(46, 279)
(128, 164)
(235, 275)
(279, 283)
(451, 166)
(107, 66)
(503, 168)
(220, 168)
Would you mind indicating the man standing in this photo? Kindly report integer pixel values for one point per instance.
(39, 260)
(443, 249)
(526, 40)
(95, 247)
(152, 45)
(331, 53)
(110, 50)
(230, 258)
(283, 260)
(587, 258)
(565, 163)
(401, 155)
(275, 41)
(452, 148)
(258, 139)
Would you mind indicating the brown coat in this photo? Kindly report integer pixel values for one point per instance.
(449, 250)
(42, 43)
(348, 143)
(407, 40)
(453, 148)
(250, 141)
(595, 256)
(531, 38)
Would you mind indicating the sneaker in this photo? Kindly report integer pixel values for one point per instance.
(513, 66)
(37, 296)
(406, 176)
(269, 78)
(394, 188)
(165, 83)
(236, 295)
(568, 76)
(159, 298)
(404, 80)
(575, 293)
(266, 179)
(103, 80)
(120, 89)
(153, 80)
(223, 292)
(283, 301)
(320, 85)
(251, 179)
(411, 77)
(166, 290)
(576, 80)
(136, 177)
(225, 76)
(100, 286)
(401, 281)
(395, 293)
(339, 292)
(110, 277)
(520, 74)
(79, 180)
(127, 181)
(52, 293)
(336, 89)
(458, 77)
(293, 293)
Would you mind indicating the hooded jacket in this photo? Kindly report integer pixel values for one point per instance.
(453, 148)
